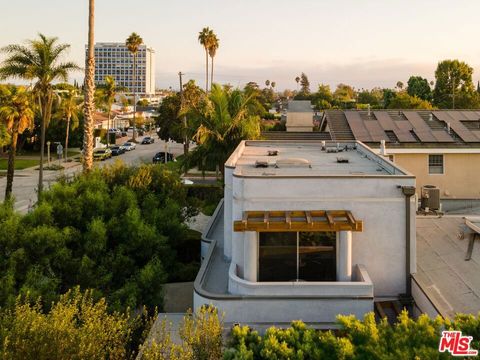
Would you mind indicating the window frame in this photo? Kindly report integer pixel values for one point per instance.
(430, 166)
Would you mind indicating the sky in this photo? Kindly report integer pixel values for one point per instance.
(364, 43)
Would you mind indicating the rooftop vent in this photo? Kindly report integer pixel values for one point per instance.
(272, 152)
(292, 162)
(342, 160)
(261, 164)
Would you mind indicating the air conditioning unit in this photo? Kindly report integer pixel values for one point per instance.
(430, 197)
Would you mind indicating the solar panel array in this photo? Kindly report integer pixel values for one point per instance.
(413, 126)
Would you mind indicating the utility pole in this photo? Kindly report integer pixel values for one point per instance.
(185, 139)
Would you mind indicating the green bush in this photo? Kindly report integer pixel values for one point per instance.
(117, 230)
(77, 327)
(355, 339)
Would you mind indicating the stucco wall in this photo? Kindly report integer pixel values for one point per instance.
(377, 201)
(461, 178)
(299, 121)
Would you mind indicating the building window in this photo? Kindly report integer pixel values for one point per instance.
(297, 256)
(435, 164)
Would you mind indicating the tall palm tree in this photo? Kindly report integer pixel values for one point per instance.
(212, 51)
(89, 92)
(267, 83)
(17, 114)
(40, 61)
(70, 108)
(297, 79)
(205, 37)
(106, 93)
(133, 42)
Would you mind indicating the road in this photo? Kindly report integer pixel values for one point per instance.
(25, 183)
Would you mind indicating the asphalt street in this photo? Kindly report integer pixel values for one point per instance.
(25, 183)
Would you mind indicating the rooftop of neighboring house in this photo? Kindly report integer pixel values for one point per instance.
(300, 106)
(450, 282)
(309, 158)
(405, 128)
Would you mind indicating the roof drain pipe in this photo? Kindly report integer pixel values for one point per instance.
(408, 191)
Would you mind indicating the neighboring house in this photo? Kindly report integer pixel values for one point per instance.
(308, 230)
(300, 116)
(440, 147)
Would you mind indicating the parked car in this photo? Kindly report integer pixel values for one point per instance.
(159, 157)
(187, 182)
(148, 140)
(124, 133)
(117, 150)
(102, 154)
(129, 146)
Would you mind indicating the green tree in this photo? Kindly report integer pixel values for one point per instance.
(38, 61)
(419, 87)
(70, 106)
(404, 101)
(89, 92)
(323, 98)
(204, 38)
(106, 93)
(77, 327)
(304, 84)
(225, 123)
(170, 126)
(344, 95)
(373, 97)
(133, 43)
(17, 115)
(453, 85)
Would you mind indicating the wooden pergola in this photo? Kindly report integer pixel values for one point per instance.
(293, 221)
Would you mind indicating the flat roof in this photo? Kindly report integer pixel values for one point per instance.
(451, 283)
(307, 158)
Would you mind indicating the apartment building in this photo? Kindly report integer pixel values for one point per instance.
(114, 59)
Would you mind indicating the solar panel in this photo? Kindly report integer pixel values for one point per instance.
(454, 117)
(357, 125)
(376, 132)
(418, 124)
(470, 115)
(385, 120)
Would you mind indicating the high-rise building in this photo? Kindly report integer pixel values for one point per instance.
(114, 59)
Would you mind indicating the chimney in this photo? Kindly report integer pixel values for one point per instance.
(323, 145)
(383, 149)
(368, 110)
(430, 117)
(448, 127)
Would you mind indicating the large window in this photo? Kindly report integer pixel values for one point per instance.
(297, 256)
(435, 164)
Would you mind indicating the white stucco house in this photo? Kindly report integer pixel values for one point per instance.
(307, 230)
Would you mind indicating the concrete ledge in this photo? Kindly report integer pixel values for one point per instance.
(361, 287)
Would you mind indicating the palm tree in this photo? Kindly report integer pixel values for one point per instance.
(16, 112)
(133, 42)
(39, 60)
(106, 93)
(89, 95)
(273, 84)
(223, 126)
(204, 37)
(212, 51)
(267, 83)
(297, 79)
(70, 108)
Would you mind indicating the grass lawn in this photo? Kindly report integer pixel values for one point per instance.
(19, 163)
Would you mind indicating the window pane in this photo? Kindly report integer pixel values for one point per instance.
(317, 256)
(277, 256)
(435, 164)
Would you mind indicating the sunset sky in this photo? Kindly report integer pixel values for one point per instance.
(364, 43)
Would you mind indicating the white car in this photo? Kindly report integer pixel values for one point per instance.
(128, 146)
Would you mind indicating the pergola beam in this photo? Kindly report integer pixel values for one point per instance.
(285, 221)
